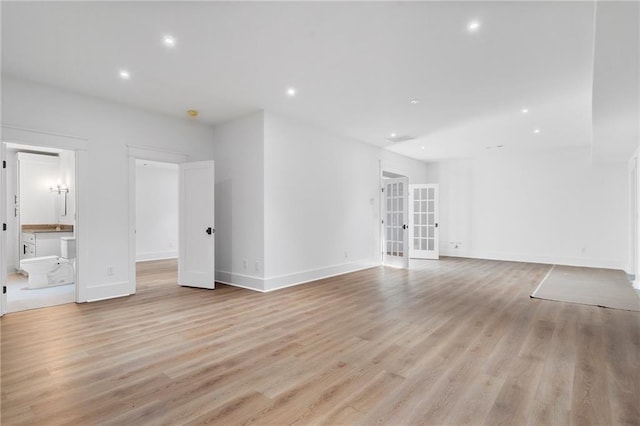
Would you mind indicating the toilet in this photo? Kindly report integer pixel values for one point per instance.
(48, 271)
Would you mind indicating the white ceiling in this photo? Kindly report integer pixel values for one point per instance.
(355, 65)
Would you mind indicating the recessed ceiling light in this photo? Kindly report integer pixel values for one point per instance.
(392, 135)
(192, 112)
(291, 91)
(525, 111)
(414, 101)
(124, 74)
(169, 40)
(536, 131)
(473, 26)
(422, 147)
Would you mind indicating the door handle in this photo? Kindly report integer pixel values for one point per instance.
(404, 226)
(210, 230)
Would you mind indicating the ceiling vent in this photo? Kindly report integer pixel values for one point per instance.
(402, 138)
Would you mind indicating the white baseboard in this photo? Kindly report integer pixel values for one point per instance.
(296, 278)
(240, 280)
(156, 255)
(105, 291)
(289, 280)
(532, 258)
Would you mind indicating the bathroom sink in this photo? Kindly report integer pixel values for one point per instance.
(36, 228)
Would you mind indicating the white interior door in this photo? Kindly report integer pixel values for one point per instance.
(424, 237)
(3, 237)
(395, 222)
(196, 264)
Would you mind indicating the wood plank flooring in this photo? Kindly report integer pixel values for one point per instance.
(455, 341)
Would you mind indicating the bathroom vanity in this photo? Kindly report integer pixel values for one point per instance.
(43, 240)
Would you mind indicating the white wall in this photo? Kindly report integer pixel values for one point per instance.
(156, 210)
(553, 207)
(37, 173)
(322, 195)
(292, 199)
(239, 155)
(103, 181)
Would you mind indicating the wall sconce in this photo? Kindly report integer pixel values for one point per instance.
(61, 189)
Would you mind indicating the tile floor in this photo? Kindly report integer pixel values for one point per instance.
(21, 299)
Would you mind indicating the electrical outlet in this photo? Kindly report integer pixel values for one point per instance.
(346, 254)
(257, 267)
(109, 270)
(245, 264)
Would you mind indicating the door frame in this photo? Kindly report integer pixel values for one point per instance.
(134, 153)
(634, 225)
(39, 138)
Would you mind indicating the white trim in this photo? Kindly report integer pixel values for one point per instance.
(132, 221)
(265, 285)
(23, 136)
(240, 280)
(156, 154)
(634, 226)
(532, 258)
(288, 280)
(109, 291)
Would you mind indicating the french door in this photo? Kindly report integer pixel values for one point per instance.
(395, 250)
(424, 238)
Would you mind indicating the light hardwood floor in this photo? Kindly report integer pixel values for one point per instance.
(456, 341)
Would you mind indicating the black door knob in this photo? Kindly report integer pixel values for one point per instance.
(209, 230)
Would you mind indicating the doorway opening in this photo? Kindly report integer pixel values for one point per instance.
(40, 258)
(192, 254)
(156, 223)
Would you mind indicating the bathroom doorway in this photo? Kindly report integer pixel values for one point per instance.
(40, 195)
